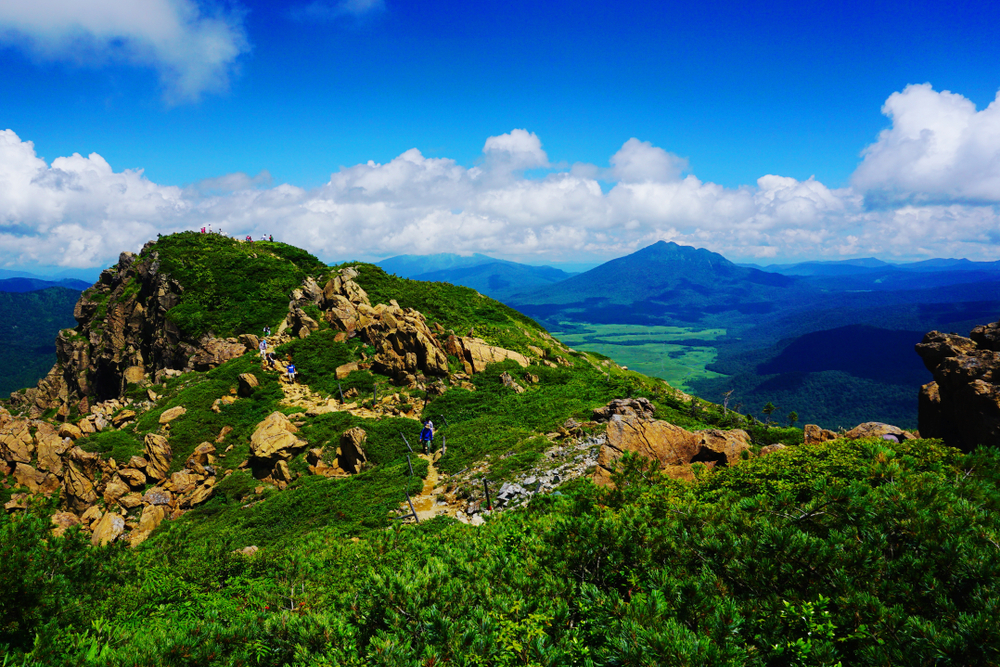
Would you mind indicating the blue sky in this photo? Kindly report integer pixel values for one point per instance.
(747, 126)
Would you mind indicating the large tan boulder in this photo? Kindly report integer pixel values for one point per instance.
(203, 455)
(812, 434)
(351, 454)
(114, 490)
(152, 516)
(181, 482)
(879, 430)
(346, 369)
(50, 448)
(36, 480)
(132, 477)
(173, 413)
(203, 492)
(15, 441)
(671, 446)
(476, 354)
(79, 488)
(158, 455)
(636, 407)
(109, 528)
(274, 438)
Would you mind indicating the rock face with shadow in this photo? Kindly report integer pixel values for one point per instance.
(962, 405)
(673, 447)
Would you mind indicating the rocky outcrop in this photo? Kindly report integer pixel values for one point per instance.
(642, 408)
(351, 454)
(476, 355)
(962, 404)
(123, 336)
(673, 447)
(274, 439)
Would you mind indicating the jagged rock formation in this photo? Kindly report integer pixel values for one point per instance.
(405, 346)
(813, 434)
(962, 404)
(123, 336)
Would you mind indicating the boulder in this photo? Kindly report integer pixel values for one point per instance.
(122, 418)
(879, 430)
(641, 408)
(181, 482)
(476, 354)
(79, 488)
(202, 493)
(159, 456)
(158, 496)
(36, 480)
(771, 449)
(673, 447)
(70, 431)
(212, 352)
(132, 477)
(50, 449)
(346, 369)
(91, 515)
(173, 413)
(134, 374)
(152, 516)
(203, 455)
(18, 501)
(351, 454)
(247, 383)
(813, 434)
(274, 438)
(109, 528)
(509, 382)
(962, 404)
(16, 443)
(130, 500)
(114, 490)
(62, 521)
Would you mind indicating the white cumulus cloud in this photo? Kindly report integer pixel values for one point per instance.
(940, 149)
(78, 212)
(194, 49)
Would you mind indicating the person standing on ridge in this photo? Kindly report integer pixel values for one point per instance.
(427, 437)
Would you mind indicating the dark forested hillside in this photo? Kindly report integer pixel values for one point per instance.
(29, 322)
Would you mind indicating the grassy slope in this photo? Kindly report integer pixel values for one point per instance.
(231, 287)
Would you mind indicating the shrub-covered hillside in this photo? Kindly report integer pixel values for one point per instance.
(886, 556)
(273, 545)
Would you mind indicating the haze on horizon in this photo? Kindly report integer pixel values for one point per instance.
(569, 132)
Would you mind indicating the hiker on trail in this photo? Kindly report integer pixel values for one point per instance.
(427, 436)
(290, 369)
(271, 359)
(270, 238)
(263, 347)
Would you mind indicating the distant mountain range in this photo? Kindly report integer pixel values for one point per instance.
(495, 278)
(34, 284)
(830, 340)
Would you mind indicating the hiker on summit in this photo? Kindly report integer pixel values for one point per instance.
(427, 436)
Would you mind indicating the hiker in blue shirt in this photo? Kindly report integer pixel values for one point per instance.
(427, 436)
(290, 369)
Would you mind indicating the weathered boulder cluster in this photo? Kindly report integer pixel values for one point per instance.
(112, 499)
(962, 404)
(406, 348)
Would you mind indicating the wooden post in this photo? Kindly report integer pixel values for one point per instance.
(489, 503)
(341, 393)
(407, 443)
